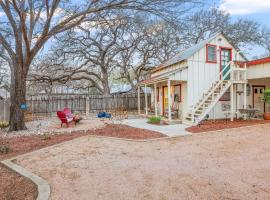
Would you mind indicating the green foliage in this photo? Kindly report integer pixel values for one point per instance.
(266, 96)
(3, 124)
(154, 120)
(4, 149)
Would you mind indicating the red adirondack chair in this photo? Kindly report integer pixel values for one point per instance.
(68, 112)
(64, 119)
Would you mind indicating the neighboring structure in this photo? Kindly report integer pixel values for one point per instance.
(258, 79)
(206, 80)
(4, 94)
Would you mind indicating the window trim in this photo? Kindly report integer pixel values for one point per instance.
(210, 61)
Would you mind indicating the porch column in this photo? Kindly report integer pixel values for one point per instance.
(245, 99)
(139, 101)
(232, 101)
(238, 96)
(145, 97)
(169, 101)
(155, 98)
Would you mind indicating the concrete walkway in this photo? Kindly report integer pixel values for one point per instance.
(169, 130)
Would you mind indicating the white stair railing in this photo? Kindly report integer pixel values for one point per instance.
(221, 77)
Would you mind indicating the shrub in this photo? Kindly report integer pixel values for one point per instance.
(266, 96)
(154, 120)
(5, 148)
(3, 124)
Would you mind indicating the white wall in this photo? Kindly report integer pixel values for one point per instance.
(258, 71)
(169, 69)
(259, 82)
(201, 75)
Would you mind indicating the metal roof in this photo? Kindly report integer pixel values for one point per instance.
(186, 53)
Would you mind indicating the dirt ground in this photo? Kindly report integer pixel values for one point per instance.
(212, 125)
(24, 144)
(15, 187)
(229, 164)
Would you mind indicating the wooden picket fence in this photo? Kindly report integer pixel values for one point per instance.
(49, 105)
(4, 110)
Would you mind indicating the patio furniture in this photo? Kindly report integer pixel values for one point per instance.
(64, 119)
(104, 115)
(68, 112)
(70, 115)
(174, 111)
(249, 112)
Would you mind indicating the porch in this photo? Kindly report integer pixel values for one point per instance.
(255, 94)
(167, 99)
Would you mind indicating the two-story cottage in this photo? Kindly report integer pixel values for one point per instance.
(210, 79)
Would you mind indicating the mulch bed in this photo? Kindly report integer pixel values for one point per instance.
(14, 186)
(212, 125)
(24, 144)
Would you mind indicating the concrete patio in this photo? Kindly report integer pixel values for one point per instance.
(171, 130)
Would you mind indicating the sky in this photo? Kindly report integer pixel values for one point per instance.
(257, 10)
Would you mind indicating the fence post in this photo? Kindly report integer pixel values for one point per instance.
(4, 102)
(87, 106)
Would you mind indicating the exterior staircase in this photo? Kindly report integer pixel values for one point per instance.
(228, 76)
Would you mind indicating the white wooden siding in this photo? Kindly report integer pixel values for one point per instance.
(201, 75)
(169, 69)
(259, 71)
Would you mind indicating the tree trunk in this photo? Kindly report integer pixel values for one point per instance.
(17, 98)
(105, 83)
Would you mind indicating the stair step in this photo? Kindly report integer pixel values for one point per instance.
(188, 119)
(196, 115)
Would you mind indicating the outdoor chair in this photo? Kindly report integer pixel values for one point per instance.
(68, 112)
(64, 119)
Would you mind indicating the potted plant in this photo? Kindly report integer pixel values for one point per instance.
(266, 100)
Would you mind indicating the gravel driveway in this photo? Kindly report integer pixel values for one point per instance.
(229, 164)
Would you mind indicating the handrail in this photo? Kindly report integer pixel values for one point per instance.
(215, 87)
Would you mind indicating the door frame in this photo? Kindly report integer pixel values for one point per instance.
(163, 99)
(253, 87)
(220, 63)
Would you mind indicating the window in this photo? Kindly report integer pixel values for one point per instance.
(211, 53)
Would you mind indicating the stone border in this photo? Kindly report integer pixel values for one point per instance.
(44, 189)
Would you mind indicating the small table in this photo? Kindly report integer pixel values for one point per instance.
(250, 112)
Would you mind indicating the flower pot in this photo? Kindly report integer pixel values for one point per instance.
(266, 116)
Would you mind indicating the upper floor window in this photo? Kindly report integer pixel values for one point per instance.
(211, 53)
